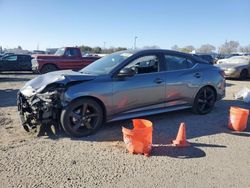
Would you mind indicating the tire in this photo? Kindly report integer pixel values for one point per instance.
(48, 68)
(82, 117)
(243, 74)
(204, 101)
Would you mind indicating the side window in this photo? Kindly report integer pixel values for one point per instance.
(145, 64)
(21, 58)
(177, 63)
(71, 52)
(11, 58)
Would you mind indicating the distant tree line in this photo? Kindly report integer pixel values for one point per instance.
(99, 50)
(227, 48)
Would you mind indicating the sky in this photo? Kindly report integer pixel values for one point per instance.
(45, 24)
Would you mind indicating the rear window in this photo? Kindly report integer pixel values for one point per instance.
(177, 63)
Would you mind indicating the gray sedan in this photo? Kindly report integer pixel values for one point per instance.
(122, 85)
(236, 67)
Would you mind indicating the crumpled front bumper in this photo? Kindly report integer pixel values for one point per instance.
(34, 111)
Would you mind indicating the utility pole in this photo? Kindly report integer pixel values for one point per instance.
(135, 42)
(104, 44)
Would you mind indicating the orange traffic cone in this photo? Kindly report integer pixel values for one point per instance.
(180, 140)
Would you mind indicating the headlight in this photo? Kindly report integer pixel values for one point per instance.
(34, 62)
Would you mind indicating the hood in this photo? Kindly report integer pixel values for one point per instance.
(230, 65)
(37, 84)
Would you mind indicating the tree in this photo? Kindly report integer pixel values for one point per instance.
(19, 48)
(245, 49)
(206, 48)
(151, 47)
(187, 49)
(175, 48)
(85, 48)
(97, 50)
(120, 49)
(229, 47)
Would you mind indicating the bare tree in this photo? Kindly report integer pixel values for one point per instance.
(229, 47)
(187, 49)
(151, 47)
(245, 49)
(206, 48)
(175, 48)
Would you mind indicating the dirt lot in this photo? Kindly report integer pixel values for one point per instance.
(218, 157)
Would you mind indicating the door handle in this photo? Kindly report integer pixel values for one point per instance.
(197, 75)
(158, 80)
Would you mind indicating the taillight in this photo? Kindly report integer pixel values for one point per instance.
(222, 73)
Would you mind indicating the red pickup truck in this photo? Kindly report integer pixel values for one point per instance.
(64, 58)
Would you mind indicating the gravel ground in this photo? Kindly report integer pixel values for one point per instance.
(218, 157)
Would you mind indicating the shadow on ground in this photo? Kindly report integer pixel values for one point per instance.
(183, 153)
(8, 97)
(17, 73)
(166, 125)
(9, 79)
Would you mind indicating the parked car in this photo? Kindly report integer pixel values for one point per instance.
(5, 54)
(64, 58)
(235, 67)
(38, 52)
(122, 85)
(15, 62)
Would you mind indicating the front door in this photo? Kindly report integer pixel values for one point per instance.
(10, 63)
(143, 91)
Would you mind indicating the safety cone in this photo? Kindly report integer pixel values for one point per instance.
(180, 140)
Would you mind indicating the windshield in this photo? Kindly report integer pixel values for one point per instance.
(60, 51)
(106, 64)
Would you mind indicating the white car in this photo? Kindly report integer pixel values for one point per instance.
(235, 67)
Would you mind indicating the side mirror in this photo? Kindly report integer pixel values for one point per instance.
(126, 72)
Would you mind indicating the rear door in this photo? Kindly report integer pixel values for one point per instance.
(183, 78)
(24, 62)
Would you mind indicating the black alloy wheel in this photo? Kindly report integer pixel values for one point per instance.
(204, 101)
(82, 117)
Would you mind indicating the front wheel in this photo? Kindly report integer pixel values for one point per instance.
(82, 117)
(204, 101)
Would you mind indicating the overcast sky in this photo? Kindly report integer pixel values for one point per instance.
(57, 23)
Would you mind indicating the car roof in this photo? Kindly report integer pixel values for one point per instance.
(170, 52)
(157, 50)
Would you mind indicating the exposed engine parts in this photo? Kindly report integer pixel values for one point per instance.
(42, 108)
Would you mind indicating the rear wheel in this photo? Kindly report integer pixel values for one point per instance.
(48, 68)
(204, 101)
(82, 117)
(243, 74)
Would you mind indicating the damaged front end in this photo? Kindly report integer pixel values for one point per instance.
(41, 100)
(41, 108)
